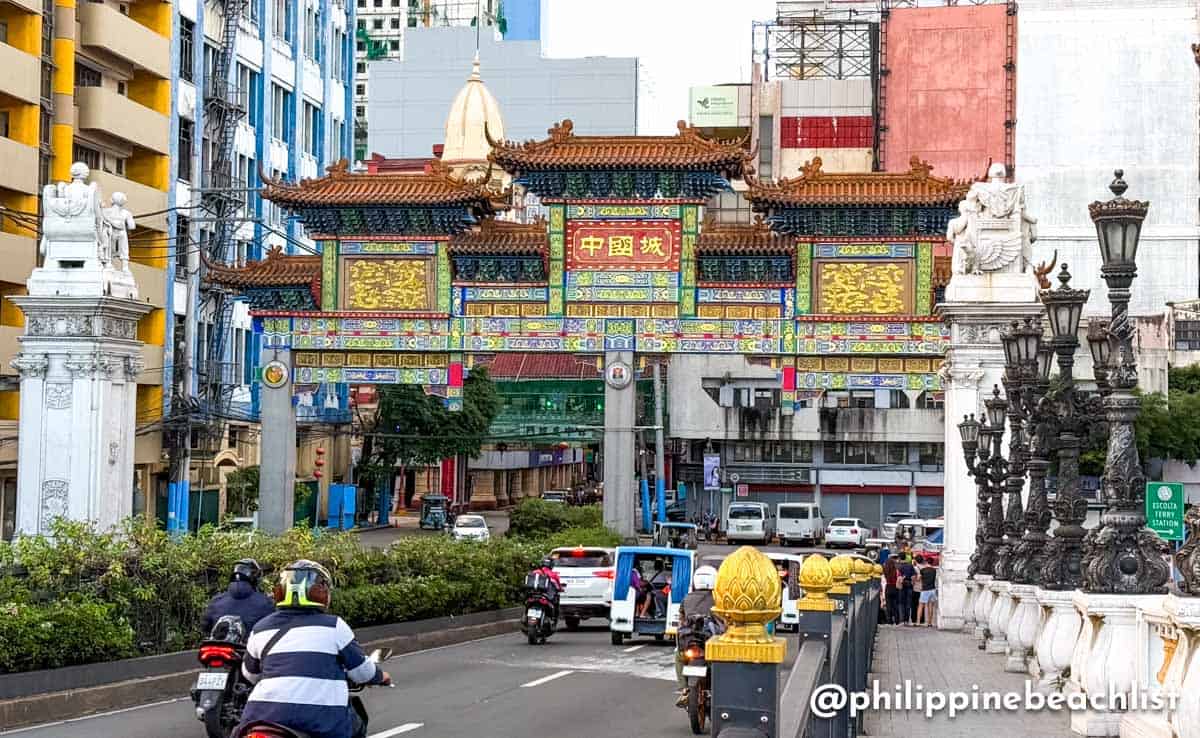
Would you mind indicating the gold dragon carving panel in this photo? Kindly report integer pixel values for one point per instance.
(388, 284)
(864, 287)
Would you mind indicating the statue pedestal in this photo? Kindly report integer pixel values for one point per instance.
(999, 617)
(79, 363)
(1056, 643)
(977, 309)
(1107, 659)
(88, 279)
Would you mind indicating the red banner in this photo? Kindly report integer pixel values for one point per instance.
(623, 244)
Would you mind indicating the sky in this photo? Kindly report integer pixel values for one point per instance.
(680, 44)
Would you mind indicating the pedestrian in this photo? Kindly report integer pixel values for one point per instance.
(885, 553)
(928, 605)
(918, 564)
(907, 573)
(891, 578)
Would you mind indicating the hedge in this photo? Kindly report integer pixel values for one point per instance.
(81, 596)
(536, 517)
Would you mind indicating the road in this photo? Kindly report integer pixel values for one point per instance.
(406, 526)
(577, 684)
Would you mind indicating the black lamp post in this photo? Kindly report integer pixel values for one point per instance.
(1122, 555)
(1100, 346)
(969, 431)
(1021, 344)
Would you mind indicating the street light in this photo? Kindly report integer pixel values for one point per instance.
(1125, 556)
(1099, 343)
(968, 430)
(996, 408)
(1045, 361)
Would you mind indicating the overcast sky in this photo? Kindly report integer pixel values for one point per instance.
(681, 44)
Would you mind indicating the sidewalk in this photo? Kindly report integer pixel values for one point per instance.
(947, 662)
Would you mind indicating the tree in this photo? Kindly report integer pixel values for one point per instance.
(411, 428)
(241, 492)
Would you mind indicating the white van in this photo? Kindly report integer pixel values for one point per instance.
(799, 521)
(749, 521)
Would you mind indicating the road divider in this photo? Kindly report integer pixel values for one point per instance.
(552, 677)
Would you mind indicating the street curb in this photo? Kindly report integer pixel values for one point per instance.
(402, 638)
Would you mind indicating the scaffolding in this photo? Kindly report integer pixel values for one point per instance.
(814, 45)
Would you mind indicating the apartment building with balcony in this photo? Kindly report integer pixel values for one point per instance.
(290, 73)
(86, 81)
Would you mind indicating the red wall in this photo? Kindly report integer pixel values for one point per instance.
(945, 91)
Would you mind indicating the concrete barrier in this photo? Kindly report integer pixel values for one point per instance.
(61, 694)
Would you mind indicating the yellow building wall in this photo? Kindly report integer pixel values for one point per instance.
(22, 203)
(149, 403)
(153, 15)
(150, 247)
(24, 29)
(152, 328)
(149, 168)
(10, 314)
(153, 92)
(10, 405)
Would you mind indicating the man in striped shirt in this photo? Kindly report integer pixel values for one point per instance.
(301, 658)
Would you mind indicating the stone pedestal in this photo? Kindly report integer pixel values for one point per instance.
(1158, 672)
(79, 363)
(1183, 675)
(977, 308)
(1023, 627)
(1106, 657)
(998, 618)
(972, 590)
(983, 605)
(1056, 643)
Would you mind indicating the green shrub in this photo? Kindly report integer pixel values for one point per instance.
(61, 634)
(138, 592)
(536, 517)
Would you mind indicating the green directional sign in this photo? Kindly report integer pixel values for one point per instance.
(1164, 509)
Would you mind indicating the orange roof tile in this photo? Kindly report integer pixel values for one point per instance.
(502, 237)
(687, 150)
(815, 187)
(743, 238)
(277, 270)
(541, 366)
(433, 186)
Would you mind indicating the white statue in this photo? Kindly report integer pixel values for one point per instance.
(71, 217)
(993, 232)
(118, 221)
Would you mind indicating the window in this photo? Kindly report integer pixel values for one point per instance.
(247, 81)
(312, 129)
(361, 67)
(379, 3)
(360, 112)
(747, 452)
(119, 166)
(931, 401)
(184, 156)
(335, 140)
(243, 252)
(88, 156)
(360, 46)
(282, 25)
(877, 454)
(210, 60)
(339, 53)
(122, 89)
(778, 452)
(360, 89)
(834, 452)
(377, 24)
(395, 3)
(856, 453)
(252, 11)
(362, 3)
(312, 30)
(394, 45)
(395, 24)
(279, 111)
(802, 452)
(182, 244)
(898, 454)
(187, 31)
(86, 76)
(862, 399)
(237, 433)
(4, 123)
(932, 454)
(766, 145)
(4, 31)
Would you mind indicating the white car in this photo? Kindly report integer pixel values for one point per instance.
(470, 528)
(846, 532)
(587, 576)
(888, 529)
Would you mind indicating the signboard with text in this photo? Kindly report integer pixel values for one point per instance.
(712, 471)
(634, 245)
(1164, 509)
(713, 106)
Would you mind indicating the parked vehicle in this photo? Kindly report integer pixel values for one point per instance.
(677, 511)
(790, 564)
(918, 533)
(470, 528)
(541, 608)
(799, 521)
(220, 690)
(750, 521)
(850, 532)
(555, 495)
(433, 512)
(890, 521)
(695, 670)
(272, 730)
(675, 535)
(666, 574)
(587, 577)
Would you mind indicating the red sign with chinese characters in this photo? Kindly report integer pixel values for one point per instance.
(623, 244)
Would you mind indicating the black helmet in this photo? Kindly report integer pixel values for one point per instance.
(247, 570)
(304, 583)
(548, 563)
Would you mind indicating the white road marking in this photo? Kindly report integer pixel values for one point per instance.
(406, 728)
(91, 717)
(552, 677)
(631, 649)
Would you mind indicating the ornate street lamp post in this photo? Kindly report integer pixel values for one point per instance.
(1021, 345)
(1070, 414)
(990, 473)
(969, 431)
(1122, 555)
(1099, 344)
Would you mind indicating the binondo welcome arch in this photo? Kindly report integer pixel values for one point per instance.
(420, 273)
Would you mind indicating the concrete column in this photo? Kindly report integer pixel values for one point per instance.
(483, 494)
(620, 401)
(277, 470)
(977, 308)
(530, 483)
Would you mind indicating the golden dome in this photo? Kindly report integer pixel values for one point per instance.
(816, 577)
(877, 570)
(862, 570)
(842, 567)
(466, 146)
(747, 595)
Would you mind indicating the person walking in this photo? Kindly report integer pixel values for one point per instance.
(918, 564)
(928, 603)
(891, 578)
(907, 574)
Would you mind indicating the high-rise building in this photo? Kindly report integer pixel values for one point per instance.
(85, 82)
(287, 105)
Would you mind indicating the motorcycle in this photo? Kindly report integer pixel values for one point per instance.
(221, 691)
(696, 671)
(541, 615)
(273, 730)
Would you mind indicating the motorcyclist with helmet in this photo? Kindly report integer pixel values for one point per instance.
(241, 598)
(697, 604)
(546, 569)
(300, 659)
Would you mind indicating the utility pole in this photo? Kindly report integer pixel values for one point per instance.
(660, 478)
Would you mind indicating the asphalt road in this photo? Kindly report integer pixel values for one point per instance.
(577, 684)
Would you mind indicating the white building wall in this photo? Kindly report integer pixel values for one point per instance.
(1101, 85)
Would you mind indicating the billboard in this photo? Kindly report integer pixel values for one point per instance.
(713, 106)
(634, 245)
(712, 471)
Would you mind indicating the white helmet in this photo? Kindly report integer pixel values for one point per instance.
(704, 578)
